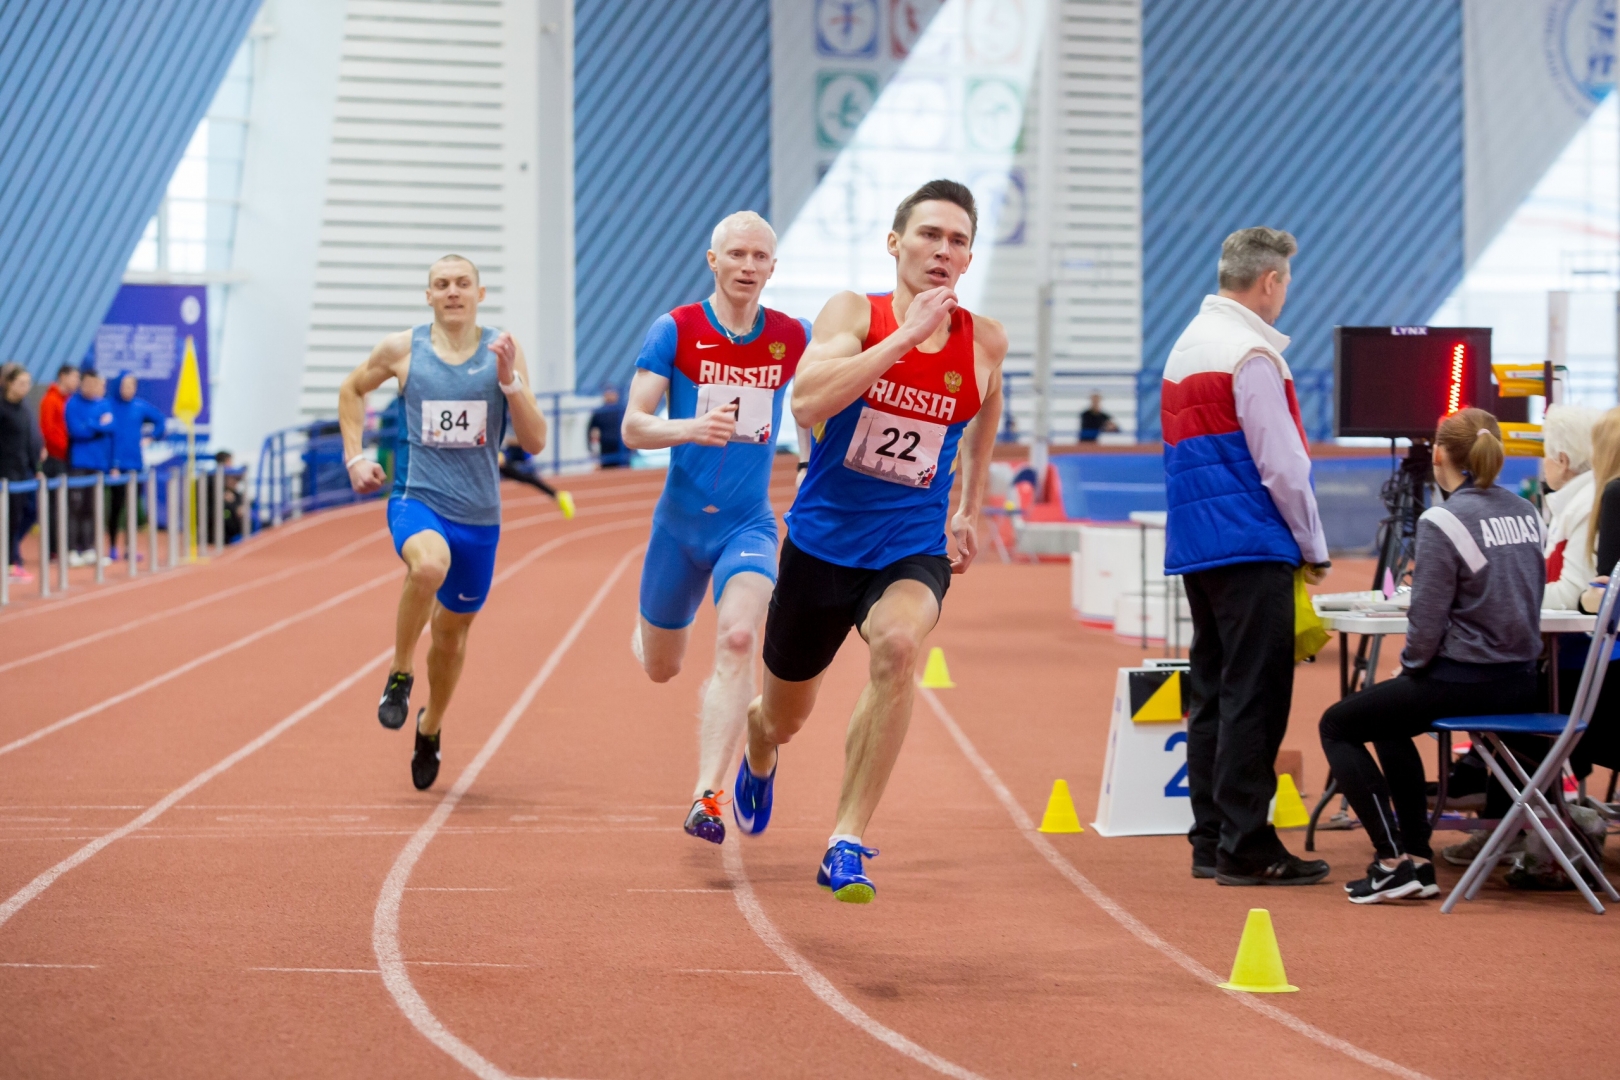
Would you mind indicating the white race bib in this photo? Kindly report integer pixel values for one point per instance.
(454, 424)
(895, 448)
(753, 409)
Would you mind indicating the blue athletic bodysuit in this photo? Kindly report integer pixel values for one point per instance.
(714, 518)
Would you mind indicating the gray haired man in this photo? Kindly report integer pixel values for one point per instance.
(1242, 518)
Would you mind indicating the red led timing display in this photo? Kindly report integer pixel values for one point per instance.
(1454, 395)
(1400, 381)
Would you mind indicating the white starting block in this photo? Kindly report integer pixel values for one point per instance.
(1144, 788)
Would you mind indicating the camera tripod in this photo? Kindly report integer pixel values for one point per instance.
(1406, 496)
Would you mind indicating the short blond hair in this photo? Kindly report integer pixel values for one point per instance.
(477, 277)
(740, 221)
(1249, 254)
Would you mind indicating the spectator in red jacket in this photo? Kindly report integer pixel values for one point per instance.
(53, 423)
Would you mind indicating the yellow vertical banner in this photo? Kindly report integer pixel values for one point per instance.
(188, 403)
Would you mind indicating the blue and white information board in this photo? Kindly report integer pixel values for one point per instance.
(146, 332)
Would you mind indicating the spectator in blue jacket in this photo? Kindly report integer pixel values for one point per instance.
(131, 415)
(89, 418)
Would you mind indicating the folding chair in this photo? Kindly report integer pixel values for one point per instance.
(1530, 801)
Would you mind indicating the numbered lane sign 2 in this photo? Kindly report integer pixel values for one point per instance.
(1144, 789)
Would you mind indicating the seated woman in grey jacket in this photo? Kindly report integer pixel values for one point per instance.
(1474, 634)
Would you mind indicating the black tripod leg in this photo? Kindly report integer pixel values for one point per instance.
(1328, 792)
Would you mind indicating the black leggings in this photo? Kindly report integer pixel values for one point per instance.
(1389, 715)
(523, 476)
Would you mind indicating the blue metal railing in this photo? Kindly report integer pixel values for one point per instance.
(303, 468)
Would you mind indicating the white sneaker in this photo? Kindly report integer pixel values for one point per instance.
(75, 559)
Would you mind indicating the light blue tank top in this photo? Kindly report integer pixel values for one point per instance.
(455, 418)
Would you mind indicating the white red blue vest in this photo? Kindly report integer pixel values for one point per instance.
(1220, 513)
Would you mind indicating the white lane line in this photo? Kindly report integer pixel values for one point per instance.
(29, 892)
(73, 967)
(818, 983)
(1138, 929)
(197, 662)
(321, 971)
(385, 920)
(726, 971)
(204, 601)
(238, 552)
(451, 888)
(680, 890)
(464, 963)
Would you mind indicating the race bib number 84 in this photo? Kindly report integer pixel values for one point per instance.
(454, 424)
(895, 448)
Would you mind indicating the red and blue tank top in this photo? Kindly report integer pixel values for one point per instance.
(879, 484)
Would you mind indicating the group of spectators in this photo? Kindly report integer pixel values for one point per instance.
(80, 430)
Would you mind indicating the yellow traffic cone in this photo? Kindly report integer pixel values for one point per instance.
(935, 674)
(1288, 809)
(1060, 816)
(1258, 968)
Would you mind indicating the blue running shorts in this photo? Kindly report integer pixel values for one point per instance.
(472, 552)
(677, 567)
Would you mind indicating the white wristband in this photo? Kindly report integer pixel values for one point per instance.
(350, 463)
(512, 387)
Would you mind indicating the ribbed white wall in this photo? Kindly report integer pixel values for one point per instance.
(433, 150)
(1096, 226)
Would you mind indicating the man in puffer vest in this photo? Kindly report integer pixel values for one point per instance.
(1242, 518)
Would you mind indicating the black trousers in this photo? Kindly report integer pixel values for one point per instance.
(1240, 687)
(24, 513)
(1389, 715)
(82, 514)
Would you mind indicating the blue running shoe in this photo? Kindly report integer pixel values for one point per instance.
(751, 802)
(841, 871)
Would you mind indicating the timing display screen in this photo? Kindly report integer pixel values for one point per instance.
(1399, 381)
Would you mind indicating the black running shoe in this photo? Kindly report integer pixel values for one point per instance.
(396, 701)
(425, 759)
(704, 820)
(1425, 879)
(1201, 871)
(1381, 884)
(1288, 870)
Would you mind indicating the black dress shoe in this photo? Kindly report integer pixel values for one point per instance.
(1203, 871)
(1288, 870)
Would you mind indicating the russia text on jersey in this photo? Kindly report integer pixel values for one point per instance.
(768, 376)
(910, 399)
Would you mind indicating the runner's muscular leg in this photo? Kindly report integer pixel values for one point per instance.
(776, 716)
(894, 631)
(427, 561)
(444, 659)
(726, 693)
(660, 652)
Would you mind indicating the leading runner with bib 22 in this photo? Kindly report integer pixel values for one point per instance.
(894, 385)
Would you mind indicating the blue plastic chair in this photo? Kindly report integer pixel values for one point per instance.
(1530, 802)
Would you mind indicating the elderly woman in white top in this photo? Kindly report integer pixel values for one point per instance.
(1567, 431)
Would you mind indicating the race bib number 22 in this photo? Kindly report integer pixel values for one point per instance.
(895, 448)
(454, 424)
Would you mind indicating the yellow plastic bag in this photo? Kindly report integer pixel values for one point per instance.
(1310, 635)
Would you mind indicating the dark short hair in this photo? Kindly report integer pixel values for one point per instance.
(65, 368)
(937, 191)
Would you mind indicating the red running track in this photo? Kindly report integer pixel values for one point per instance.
(212, 861)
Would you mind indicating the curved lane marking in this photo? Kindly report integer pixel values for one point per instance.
(28, 893)
(197, 662)
(1137, 928)
(193, 605)
(385, 919)
(246, 548)
(817, 983)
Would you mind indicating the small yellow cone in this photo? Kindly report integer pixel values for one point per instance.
(1258, 968)
(935, 675)
(1288, 809)
(1060, 816)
